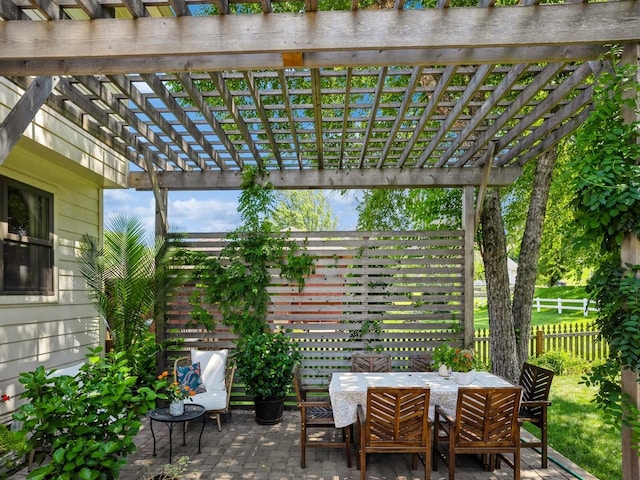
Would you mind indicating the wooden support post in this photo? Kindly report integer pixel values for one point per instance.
(469, 226)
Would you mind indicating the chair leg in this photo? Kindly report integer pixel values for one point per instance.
(543, 437)
(452, 460)
(303, 446)
(346, 436)
(217, 415)
(363, 464)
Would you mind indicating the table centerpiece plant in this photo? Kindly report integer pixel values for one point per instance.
(463, 364)
(176, 393)
(442, 357)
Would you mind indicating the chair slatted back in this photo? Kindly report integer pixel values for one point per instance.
(420, 362)
(536, 385)
(397, 416)
(370, 362)
(487, 416)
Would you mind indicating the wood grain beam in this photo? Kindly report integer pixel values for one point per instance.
(18, 119)
(260, 109)
(332, 179)
(532, 89)
(382, 74)
(227, 97)
(108, 42)
(266, 61)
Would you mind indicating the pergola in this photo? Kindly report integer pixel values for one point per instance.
(396, 97)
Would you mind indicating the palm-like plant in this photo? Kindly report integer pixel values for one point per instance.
(129, 279)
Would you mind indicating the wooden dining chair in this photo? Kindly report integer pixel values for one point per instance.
(420, 362)
(316, 412)
(485, 423)
(396, 421)
(536, 385)
(370, 362)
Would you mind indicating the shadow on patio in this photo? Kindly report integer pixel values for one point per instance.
(248, 451)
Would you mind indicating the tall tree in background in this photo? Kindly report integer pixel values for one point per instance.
(306, 210)
(424, 208)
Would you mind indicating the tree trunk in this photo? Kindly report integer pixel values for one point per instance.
(504, 360)
(530, 252)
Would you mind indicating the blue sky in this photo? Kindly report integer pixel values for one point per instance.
(209, 211)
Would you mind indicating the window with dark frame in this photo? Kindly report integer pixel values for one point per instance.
(26, 239)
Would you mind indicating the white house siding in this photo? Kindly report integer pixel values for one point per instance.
(55, 331)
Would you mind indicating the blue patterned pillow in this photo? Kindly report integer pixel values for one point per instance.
(190, 375)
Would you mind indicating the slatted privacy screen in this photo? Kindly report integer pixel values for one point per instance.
(397, 292)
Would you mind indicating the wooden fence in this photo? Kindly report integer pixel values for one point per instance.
(580, 339)
(394, 291)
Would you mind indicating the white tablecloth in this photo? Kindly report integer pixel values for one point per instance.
(349, 389)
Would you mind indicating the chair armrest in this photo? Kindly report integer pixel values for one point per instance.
(441, 412)
(178, 363)
(535, 403)
(361, 418)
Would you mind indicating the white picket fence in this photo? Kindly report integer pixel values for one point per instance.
(561, 304)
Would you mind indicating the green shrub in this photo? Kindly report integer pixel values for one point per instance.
(561, 362)
(83, 427)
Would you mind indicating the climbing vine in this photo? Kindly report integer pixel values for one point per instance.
(605, 156)
(236, 281)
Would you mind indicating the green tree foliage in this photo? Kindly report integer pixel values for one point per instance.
(410, 209)
(561, 256)
(607, 203)
(237, 280)
(305, 210)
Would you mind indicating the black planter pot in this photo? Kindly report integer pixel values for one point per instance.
(269, 410)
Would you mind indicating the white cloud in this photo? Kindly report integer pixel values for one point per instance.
(204, 215)
(209, 211)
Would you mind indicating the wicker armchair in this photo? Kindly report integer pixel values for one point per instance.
(216, 400)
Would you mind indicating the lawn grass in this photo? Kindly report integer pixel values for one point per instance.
(579, 431)
(545, 316)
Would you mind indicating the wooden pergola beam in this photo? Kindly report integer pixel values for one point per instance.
(336, 38)
(332, 178)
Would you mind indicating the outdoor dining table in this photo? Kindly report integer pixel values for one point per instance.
(347, 390)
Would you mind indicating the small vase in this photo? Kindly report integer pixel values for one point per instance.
(176, 408)
(443, 371)
(465, 378)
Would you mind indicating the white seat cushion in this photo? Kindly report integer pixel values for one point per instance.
(212, 367)
(211, 399)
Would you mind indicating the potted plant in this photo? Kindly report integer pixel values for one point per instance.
(463, 364)
(266, 362)
(442, 356)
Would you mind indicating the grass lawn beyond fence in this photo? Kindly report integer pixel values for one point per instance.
(579, 431)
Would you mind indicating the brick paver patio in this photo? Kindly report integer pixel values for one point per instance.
(245, 450)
